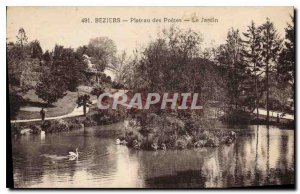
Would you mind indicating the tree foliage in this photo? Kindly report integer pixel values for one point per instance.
(233, 67)
(102, 50)
(84, 101)
(286, 65)
(271, 46)
(50, 87)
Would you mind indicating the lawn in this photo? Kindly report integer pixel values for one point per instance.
(61, 107)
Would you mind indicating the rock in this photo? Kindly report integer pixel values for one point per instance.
(181, 144)
(233, 135)
(228, 140)
(136, 144)
(163, 146)
(212, 142)
(25, 131)
(200, 143)
(154, 146)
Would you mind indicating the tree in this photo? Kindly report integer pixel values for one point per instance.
(98, 90)
(252, 56)
(36, 49)
(286, 64)
(271, 45)
(47, 56)
(164, 64)
(232, 66)
(69, 66)
(280, 92)
(119, 67)
(84, 101)
(15, 62)
(22, 39)
(50, 88)
(15, 102)
(102, 50)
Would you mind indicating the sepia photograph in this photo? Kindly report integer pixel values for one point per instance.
(151, 97)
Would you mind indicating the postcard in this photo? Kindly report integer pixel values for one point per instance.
(151, 97)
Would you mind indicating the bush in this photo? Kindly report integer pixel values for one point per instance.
(56, 126)
(89, 122)
(75, 124)
(181, 144)
(15, 102)
(103, 117)
(154, 132)
(46, 126)
(34, 129)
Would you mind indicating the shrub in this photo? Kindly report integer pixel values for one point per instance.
(181, 144)
(151, 131)
(46, 126)
(89, 122)
(34, 129)
(75, 124)
(55, 126)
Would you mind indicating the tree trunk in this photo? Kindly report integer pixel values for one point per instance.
(256, 93)
(84, 110)
(268, 91)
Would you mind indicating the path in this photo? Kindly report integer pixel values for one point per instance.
(79, 111)
(262, 111)
(76, 112)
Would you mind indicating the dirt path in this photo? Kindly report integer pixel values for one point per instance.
(274, 114)
(76, 112)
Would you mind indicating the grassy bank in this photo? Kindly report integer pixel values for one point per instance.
(63, 106)
(50, 126)
(93, 118)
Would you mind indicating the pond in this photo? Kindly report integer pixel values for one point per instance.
(261, 156)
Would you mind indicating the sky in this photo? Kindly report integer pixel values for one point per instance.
(62, 25)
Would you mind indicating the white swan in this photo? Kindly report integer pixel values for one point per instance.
(73, 155)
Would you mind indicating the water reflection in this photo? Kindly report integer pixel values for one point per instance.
(261, 156)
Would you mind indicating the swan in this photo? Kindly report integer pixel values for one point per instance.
(73, 154)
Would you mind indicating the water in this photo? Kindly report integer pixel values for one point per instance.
(261, 156)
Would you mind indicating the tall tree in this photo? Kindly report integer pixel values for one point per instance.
(47, 56)
(69, 66)
(271, 45)
(102, 50)
(119, 67)
(286, 65)
(22, 38)
(252, 56)
(36, 49)
(232, 65)
(50, 88)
